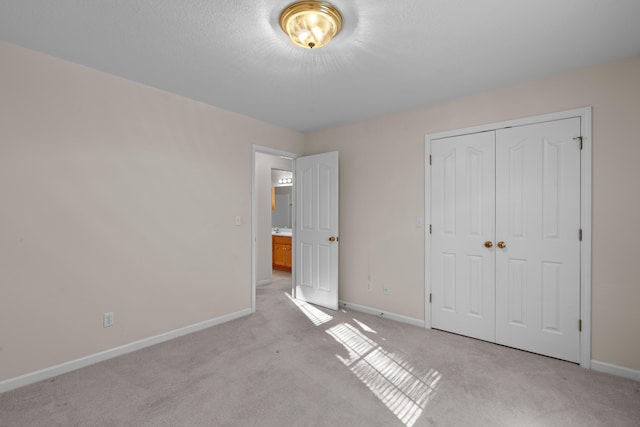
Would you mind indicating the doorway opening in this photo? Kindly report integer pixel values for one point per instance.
(271, 216)
(314, 239)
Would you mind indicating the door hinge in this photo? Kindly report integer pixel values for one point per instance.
(580, 234)
(429, 159)
(429, 228)
(579, 139)
(579, 325)
(430, 298)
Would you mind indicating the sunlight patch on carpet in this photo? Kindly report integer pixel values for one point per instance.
(364, 327)
(398, 385)
(317, 316)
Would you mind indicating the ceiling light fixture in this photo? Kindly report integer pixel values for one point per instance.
(311, 24)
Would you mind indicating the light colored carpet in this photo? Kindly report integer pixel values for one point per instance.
(292, 364)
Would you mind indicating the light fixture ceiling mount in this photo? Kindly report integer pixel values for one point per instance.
(311, 24)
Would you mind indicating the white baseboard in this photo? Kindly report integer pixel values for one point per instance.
(619, 371)
(263, 282)
(72, 365)
(382, 313)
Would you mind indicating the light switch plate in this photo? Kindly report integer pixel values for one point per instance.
(107, 319)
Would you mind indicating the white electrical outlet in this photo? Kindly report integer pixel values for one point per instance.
(107, 319)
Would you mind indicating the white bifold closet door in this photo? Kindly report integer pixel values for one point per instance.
(505, 236)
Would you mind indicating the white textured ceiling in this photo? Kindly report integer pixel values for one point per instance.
(390, 55)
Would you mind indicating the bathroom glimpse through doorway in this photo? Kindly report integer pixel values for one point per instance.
(269, 200)
(281, 223)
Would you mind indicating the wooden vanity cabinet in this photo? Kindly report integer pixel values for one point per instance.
(281, 250)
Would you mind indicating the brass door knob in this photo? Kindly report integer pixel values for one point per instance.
(332, 239)
(488, 244)
(502, 245)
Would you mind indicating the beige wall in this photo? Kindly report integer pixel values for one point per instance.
(116, 197)
(382, 193)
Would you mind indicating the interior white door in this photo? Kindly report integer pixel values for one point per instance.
(316, 232)
(462, 213)
(538, 222)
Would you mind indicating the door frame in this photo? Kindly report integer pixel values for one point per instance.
(254, 213)
(586, 167)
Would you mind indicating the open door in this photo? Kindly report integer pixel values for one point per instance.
(316, 229)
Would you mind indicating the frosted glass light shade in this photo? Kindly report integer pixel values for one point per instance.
(311, 24)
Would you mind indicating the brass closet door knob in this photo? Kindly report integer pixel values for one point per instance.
(332, 239)
(488, 244)
(502, 245)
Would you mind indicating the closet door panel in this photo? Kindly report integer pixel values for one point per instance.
(462, 209)
(538, 219)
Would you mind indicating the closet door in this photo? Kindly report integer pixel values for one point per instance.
(462, 212)
(538, 222)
